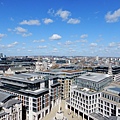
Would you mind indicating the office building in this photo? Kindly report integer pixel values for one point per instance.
(86, 93)
(10, 107)
(37, 92)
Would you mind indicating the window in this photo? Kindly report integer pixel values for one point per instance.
(105, 103)
(34, 100)
(118, 110)
(95, 96)
(112, 105)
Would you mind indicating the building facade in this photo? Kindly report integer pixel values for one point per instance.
(85, 95)
(10, 107)
(35, 91)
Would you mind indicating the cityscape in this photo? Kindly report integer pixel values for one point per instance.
(59, 60)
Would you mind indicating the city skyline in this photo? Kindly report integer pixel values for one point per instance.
(58, 27)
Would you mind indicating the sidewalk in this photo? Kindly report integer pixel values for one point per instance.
(65, 112)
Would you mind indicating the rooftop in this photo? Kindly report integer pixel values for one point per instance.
(113, 89)
(96, 77)
(99, 116)
(2, 113)
(86, 90)
(25, 77)
(11, 102)
(4, 96)
(35, 92)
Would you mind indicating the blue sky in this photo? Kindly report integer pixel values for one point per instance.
(60, 27)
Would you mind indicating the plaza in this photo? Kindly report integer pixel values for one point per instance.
(66, 113)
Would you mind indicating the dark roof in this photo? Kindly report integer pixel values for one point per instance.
(55, 84)
(99, 116)
(20, 79)
(114, 118)
(4, 96)
(34, 92)
(14, 83)
(11, 102)
(1, 84)
(17, 68)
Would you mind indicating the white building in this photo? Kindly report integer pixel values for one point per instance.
(83, 101)
(10, 107)
(86, 93)
(109, 102)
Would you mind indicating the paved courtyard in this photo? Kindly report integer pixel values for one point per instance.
(65, 112)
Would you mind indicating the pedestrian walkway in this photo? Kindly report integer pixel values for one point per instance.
(52, 113)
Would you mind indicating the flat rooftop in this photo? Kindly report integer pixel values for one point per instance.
(96, 77)
(99, 116)
(86, 90)
(4, 96)
(35, 92)
(25, 77)
(113, 89)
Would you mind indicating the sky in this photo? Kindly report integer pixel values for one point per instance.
(60, 27)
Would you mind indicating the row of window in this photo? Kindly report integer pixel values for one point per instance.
(111, 97)
(84, 106)
(76, 94)
(107, 104)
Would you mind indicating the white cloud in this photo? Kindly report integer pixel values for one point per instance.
(18, 50)
(41, 47)
(29, 50)
(55, 50)
(73, 21)
(12, 44)
(26, 35)
(83, 41)
(112, 44)
(112, 17)
(9, 29)
(59, 43)
(93, 44)
(64, 14)
(72, 50)
(11, 19)
(55, 37)
(97, 12)
(47, 20)
(37, 41)
(84, 36)
(51, 11)
(2, 35)
(20, 30)
(68, 42)
(30, 22)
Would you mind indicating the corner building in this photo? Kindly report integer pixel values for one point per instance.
(34, 90)
(85, 95)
